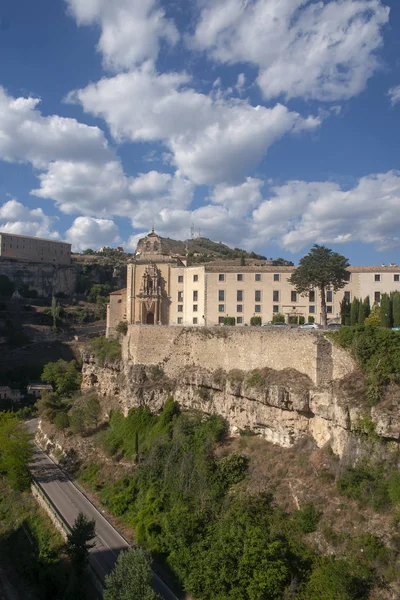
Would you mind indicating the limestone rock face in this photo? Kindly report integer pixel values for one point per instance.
(47, 279)
(281, 405)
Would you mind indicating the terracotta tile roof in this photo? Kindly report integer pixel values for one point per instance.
(118, 292)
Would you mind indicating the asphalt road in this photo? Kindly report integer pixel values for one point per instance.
(69, 501)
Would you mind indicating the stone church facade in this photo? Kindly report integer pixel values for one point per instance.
(163, 290)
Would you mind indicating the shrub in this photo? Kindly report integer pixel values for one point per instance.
(333, 580)
(311, 319)
(367, 485)
(232, 469)
(278, 318)
(255, 321)
(229, 321)
(307, 518)
(105, 349)
(61, 420)
(255, 380)
(122, 328)
(301, 320)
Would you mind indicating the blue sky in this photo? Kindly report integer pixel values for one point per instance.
(269, 124)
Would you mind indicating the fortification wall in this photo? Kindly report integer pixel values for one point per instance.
(227, 348)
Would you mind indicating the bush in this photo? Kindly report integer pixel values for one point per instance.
(333, 580)
(301, 320)
(367, 485)
(278, 318)
(307, 518)
(61, 420)
(105, 349)
(64, 376)
(311, 319)
(255, 321)
(122, 328)
(255, 380)
(229, 321)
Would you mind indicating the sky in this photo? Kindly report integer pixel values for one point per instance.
(269, 125)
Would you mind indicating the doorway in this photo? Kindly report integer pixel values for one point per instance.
(150, 318)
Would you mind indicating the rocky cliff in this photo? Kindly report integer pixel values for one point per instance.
(47, 279)
(281, 405)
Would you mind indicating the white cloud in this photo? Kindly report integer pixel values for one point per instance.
(27, 136)
(394, 95)
(322, 50)
(88, 232)
(213, 139)
(294, 215)
(131, 30)
(19, 219)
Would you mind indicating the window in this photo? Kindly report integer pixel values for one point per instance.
(276, 277)
(257, 308)
(239, 277)
(194, 307)
(377, 297)
(347, 296)
(239, 295)
(275, 296)
(293, 296)
(221, 295)
(275, 308)
(195, 277)
(257, 277)
(179, 320)
(396, 277)
(329, 309)
(195, 295)
(221, 320)
(180, 296)
(311, 309)
(221, 307)
(180, 278)
(329, 296)
(311, 296)
(180, 307)
(257, 296)
(221, 277)
(239, 308)
(239, 320)
(194, 320)
(377, 277)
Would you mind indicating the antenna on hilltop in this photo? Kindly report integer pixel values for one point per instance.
(192, 231)
(199, 233)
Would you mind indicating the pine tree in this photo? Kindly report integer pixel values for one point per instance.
(396, 309)
(354, 310)
(386, 313)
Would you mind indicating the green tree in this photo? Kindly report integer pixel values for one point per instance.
(332, 580)
(367, 307)
(320, 268)
(61, 420)
(386, 311)
(98, 293)
(92, 411)
(396, 309)
(7, 287)
(62, 375)
(79, 543)
(55, 312)
(256, 321)
(77, 420)
(130, 578)
(15, 450)
(361, 313)
(242, 260)
(345, 311)
(374, 318)
(122, 328)
(278, 318)
(354, 311)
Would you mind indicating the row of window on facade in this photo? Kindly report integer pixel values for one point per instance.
(258, 295)
(277, 277)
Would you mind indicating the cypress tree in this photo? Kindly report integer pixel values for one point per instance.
(396, 309)
(386, 313)
(354, 310)
(361, 313)
(345, 311)
(367, 307)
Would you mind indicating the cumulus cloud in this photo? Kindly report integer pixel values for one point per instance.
(131, 30)
(88, 232)
(27, 136)
(19, 219)
(212, 139)
(394, 95)
(322, 50)
(295, 215)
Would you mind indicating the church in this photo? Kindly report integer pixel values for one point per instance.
(163, 290)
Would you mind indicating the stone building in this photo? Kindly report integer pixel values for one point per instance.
(34, 249)
(162, 289)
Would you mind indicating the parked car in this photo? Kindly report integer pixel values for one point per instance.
(334, 326)
(309, 326)
(395, 328)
